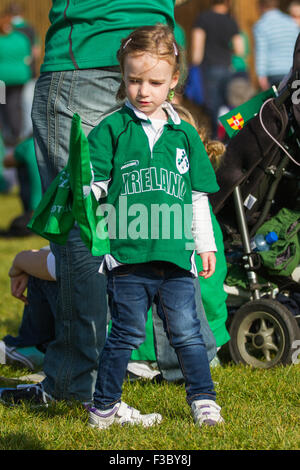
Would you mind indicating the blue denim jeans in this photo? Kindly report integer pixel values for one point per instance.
(132, 289)
(166, 357)
(215, 80)
(71, 360)
(37, 326)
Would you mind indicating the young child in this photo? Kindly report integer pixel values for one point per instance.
(146, 160)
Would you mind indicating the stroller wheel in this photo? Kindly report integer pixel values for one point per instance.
(262, 334)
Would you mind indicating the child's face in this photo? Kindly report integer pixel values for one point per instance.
(148, 80)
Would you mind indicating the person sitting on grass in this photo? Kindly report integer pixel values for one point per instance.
(33, 270)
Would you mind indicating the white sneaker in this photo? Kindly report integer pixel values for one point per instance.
(121, 414)
(206, 412)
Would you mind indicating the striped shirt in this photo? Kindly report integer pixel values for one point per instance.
(275, 36)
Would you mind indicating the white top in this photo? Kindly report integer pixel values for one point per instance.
(51, 265)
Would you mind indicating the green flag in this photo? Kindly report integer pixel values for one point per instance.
(85, 208)
(236, 119)
(69, 199)
(53, 218)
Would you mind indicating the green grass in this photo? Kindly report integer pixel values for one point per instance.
(260, 407)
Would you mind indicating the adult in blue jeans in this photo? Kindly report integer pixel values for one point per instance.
(80, 74)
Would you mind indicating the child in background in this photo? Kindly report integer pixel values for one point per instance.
(212, 290)
(145, 157)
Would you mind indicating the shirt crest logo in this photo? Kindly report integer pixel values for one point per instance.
(182, 161)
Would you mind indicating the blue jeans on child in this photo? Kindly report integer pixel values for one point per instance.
(132, 289)
(166, 357)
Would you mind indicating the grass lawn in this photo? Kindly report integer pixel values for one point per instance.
(260, 407)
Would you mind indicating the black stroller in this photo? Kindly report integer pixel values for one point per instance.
(258, 177)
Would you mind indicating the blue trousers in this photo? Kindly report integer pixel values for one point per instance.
(37, 326)
(215, 79)
(132, 289)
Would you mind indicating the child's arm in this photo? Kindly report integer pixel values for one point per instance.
(203, 233)
(28, 262)
(32, 262)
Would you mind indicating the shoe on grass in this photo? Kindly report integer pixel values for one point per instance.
(206, 412)
(10, 356)
(121, 414)
(34, 394)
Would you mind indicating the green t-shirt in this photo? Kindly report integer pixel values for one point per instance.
(149, 202)
(25, 155)
(240, 63)
(15, 58)
(87, 33)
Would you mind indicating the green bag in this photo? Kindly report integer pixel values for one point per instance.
(284, 255)
(69, 199)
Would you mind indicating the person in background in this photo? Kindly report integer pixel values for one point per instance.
(33, 270)
(275, 34)
(294, 11)
(240, 63)
(15, 72)
(4, 181)
(19, 23)
(215, 37)
(212, 291)
(23, 158)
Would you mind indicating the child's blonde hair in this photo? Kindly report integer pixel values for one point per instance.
(215, 149)
(156, 40)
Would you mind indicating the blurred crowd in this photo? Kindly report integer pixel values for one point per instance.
(221, 52)
(20, 51)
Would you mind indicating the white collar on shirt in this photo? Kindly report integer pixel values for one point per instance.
(166, 105)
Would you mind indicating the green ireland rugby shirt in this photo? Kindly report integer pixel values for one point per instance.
(148, 207)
